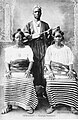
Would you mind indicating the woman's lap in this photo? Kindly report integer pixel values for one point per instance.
(20, 91)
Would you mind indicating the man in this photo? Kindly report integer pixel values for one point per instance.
(38, 40)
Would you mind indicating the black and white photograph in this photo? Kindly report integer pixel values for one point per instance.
(38, 59)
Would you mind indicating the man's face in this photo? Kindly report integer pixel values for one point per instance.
(37, 13)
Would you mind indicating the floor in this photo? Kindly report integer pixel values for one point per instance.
(61, 113)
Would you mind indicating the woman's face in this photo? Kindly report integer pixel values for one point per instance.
(58, 37)
(18, 39)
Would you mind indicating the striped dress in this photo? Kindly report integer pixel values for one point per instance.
(18, 89)
(62, 89)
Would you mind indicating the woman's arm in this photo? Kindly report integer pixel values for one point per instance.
(70, 73)
(27, 73)
(7, 66)
(30, 66)
(48, 68)
(8, 71)
(49, 72)
(70, 67)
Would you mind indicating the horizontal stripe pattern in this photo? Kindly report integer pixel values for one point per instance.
(62, 90)
(63, 93)
(20, 91)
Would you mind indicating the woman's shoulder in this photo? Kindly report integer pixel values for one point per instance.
(66, 47)
(8, 48)
(50, 47)
(27, 47)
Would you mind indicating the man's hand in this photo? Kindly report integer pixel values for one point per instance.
(35, 35)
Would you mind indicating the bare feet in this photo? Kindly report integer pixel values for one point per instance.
(6, 109)
(50, 110)
(73, 110)
(30, 111)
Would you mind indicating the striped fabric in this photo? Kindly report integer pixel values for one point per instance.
(62, 89)
(19, 91)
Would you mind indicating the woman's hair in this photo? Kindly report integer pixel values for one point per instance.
(59, 31)
(20, 32)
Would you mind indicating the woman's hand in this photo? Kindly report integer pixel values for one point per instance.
(8, 75)
(27, 73)
(48, 73)
(70, 74)
(51, 75)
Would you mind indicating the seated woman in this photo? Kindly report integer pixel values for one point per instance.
(62, 87)
(19, 88)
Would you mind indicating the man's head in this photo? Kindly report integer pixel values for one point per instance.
(37, 12)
